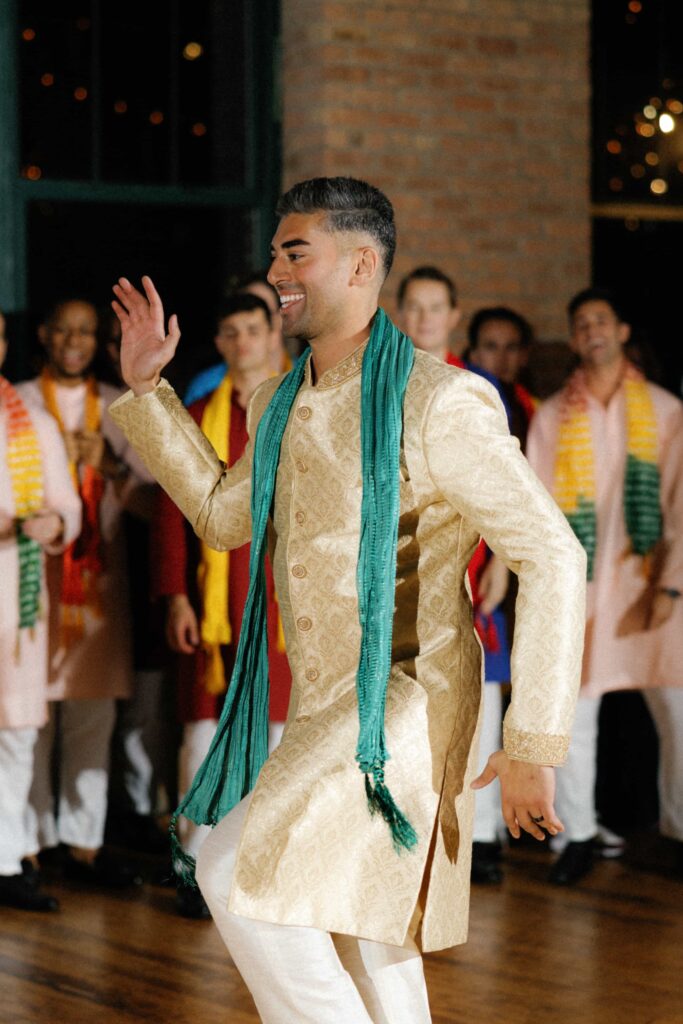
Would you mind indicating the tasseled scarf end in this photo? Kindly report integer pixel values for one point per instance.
(184, 865)
(380, 801)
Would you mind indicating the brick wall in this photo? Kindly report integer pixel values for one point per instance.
(473, 116)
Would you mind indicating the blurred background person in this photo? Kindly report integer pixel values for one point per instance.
(39, 511)
(206, 590)
(90, 655)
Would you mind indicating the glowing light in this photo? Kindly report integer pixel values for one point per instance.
(631, 223)
(120, 106)
(655, 101)
(81, 93)
(614, 146)
(652, 159)
(192, 51)
(658, 186)
(635, 6)
(199, 129)
(32, 172)
(666, 123)
(646, 130)
(638, 171)
(28, 35)
(675, 106)
(156, 117)
(650, 111)
(616, 184)
(47, 79)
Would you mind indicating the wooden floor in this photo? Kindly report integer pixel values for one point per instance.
(607, 952)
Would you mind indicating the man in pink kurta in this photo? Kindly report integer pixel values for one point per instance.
(23, 648)
(634, 632)
(91, 662)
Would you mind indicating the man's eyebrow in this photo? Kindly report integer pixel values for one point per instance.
(294, 242)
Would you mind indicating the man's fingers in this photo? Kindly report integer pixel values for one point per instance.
(510, 820)
(121, 311)
(154, 300)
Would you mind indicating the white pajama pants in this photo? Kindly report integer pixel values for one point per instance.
(304, 975)
(16, 773)
(197, 738)
(488, 816)
(575, 799)
(139, 742)
(80, 732)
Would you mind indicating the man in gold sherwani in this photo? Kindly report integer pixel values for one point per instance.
(323, 917)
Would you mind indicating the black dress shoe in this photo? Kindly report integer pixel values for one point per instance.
(486, 869)
(23, 894)
(105, 870)
(575, 861)
(189, 902)
(31, 872)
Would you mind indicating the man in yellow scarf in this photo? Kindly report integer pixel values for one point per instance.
(609, 447)
(205, 590)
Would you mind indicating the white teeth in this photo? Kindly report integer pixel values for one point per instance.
(285, 300)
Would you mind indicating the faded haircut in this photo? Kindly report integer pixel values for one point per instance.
(350, 205)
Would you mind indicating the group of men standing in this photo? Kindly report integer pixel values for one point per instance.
(316, 932)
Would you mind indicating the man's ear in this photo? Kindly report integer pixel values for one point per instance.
(43, 335)
(366, 265)
(624, 332)
(454, 318)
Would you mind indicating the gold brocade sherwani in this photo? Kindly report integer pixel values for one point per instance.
(310, 852)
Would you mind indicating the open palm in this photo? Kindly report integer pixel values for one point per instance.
(146, 348)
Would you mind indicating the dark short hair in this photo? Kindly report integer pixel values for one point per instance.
(428, 274)
(350, 205)
(242, 302)
(240, 282)
(53, 309)
(595, 294)
(509, 316)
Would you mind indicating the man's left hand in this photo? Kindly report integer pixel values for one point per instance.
(527, 793)
(661, 609)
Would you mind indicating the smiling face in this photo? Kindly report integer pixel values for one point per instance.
(427, 315)
(70, 340)
(598, 335)
(499, 350)
(244, 340)
(313, 271)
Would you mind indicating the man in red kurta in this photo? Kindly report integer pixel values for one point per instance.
(205, 596)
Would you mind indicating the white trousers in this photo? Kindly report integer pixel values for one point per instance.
(575, 799)
(139, 743)
(16, 772)
(488, 816)
(79, 733)
(197, 738)
(303, 975)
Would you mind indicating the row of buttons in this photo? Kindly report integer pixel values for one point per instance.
(303, 623)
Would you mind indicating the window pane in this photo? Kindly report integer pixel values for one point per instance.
(56, 88)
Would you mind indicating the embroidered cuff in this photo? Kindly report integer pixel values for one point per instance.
(538, 748)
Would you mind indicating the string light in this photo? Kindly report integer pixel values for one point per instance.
(192, 51)
(650, 111)
(199, 129)
(32, 172)
(616, 184)
(120, 107)
(614, 146)
(638, 171)
(47, 79)
(675, 106)
(28, 35)
(635, 6)
(652, 159)
(666, 123)
(658, 186)
(646, 130)
(156, 117)
(81, 93)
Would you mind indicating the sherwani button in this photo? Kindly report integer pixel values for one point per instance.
(301, 466)
(304, 623)
(299, 571)
(303, 718)
(300, 517)
(304, 413)
(312, 674)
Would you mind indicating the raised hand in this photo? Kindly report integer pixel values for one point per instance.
(145, 346)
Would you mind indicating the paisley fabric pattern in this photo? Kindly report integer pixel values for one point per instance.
(310, 854)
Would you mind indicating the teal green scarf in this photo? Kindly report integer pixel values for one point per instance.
(240, 744)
